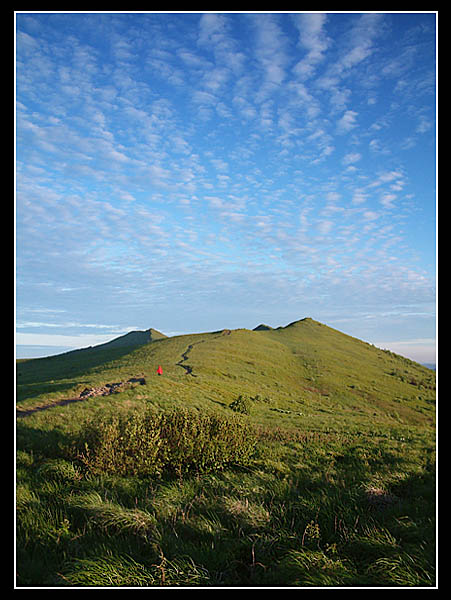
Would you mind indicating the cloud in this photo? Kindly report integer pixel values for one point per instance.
(313, 38)
(351, 158)
(375, 146)
(193, 60)
(212, 28)
(387, 200)
(362, 38)
(370, 215)
(302, 96)
(324, 227)
(357, 45)
(359, 197)
(70, 341)
(65, 324)
(207, 155)
(270, 52)
(215, 35)
(395, 178)
(347, 122)
(245, 108)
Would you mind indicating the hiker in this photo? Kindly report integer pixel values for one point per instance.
(160, 370)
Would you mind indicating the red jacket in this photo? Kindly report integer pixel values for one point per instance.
(160, 370)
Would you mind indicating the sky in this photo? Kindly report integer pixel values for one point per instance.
(197, 171)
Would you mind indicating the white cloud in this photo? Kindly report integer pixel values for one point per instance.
(359, 197)
(351, 158)
(375, 146)
(246, 109)
(362, 38)
(387, 200)
(347, 122)
(211, 28)
(193, 60)
(389, 176)
(122, 187)
(324, 227)
(313, 38)
(270, 52)
(370, 215)
(70, 341)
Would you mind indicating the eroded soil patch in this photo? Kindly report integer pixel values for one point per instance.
(104, 390)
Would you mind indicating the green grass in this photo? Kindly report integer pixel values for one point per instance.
(335, 484)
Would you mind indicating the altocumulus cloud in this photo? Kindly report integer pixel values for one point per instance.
(182, 170)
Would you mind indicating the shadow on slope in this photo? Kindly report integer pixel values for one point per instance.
(41, 374)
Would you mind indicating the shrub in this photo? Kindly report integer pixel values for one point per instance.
(241, 405)
(175, 443)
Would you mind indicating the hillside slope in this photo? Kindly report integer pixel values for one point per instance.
(303, 374)
(326, 477)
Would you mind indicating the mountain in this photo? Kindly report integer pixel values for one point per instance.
(262, 327)
(306, 372)
(125, 342)
(133, 338)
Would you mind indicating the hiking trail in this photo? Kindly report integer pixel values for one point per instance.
(104, 390)
(189, 368)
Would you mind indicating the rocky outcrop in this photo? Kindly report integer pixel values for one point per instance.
(110, 388)
(104, 390)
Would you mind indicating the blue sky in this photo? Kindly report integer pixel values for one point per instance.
(196, 171)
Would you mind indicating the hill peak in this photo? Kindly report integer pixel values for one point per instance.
(155, 334)
(134, 338)
(305, 320)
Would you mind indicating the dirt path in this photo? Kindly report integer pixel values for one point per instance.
(30, 411)
(113, 388)
(105, 390)
(189, 368)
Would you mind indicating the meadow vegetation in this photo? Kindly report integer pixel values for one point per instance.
(295, 456)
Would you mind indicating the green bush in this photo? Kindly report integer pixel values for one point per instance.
(241, 405)
(175, 443)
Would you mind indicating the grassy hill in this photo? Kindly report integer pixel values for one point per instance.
(306, 368)
(133, 338)
(337, 440)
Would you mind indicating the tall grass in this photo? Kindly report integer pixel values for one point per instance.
(295, 457)
(300, 509)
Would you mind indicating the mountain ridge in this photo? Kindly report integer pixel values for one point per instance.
(133, 338)
(305, 368)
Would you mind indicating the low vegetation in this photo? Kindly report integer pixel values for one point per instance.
(176, 442)
(277, 465)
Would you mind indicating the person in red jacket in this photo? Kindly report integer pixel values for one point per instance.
(160, 370)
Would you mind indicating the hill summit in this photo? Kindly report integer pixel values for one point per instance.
(307, 369)
(133, 338)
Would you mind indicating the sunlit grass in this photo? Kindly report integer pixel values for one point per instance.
(137, 489)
